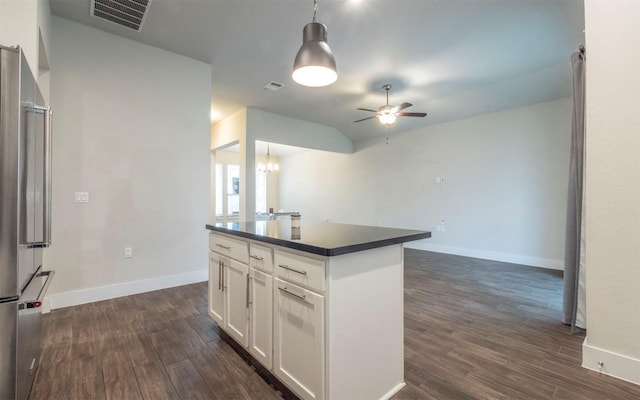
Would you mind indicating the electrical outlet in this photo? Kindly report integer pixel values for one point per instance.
(128, 252)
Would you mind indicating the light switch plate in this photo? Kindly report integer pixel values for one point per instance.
(128, 252)
(81, 197)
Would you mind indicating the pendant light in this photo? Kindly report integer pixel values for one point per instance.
(314, 65)
(271, 166)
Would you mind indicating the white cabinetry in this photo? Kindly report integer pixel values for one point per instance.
(216, 289)
(236, 280)
(241, 293)
(229, 286)
(229, 296)
(261, 318)
(299, 339)
(261, 310)
(327, 327)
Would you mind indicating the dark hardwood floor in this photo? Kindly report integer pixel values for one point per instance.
(474, 329)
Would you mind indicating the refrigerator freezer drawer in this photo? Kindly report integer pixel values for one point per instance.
(8, 321)
(29, 332)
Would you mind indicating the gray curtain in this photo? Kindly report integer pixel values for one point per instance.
(574, 231)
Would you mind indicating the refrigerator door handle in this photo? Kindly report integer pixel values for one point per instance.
(45, 287)
(46, 171)
(47, 181)
(43, 291)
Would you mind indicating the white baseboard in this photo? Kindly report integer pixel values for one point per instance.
(394, 391)
(488, 255)
(613, 364)
(76, 297)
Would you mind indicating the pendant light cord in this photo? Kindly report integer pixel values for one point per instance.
(315, 9)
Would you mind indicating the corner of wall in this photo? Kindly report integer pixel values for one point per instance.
(276, 128)
(230, 129)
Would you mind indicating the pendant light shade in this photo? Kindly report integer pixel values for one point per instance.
(314, 65)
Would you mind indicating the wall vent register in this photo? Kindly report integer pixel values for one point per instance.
(128, 13)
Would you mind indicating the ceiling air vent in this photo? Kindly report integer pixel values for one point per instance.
(273, 85)
(127, 13)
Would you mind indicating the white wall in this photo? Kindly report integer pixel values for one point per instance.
(248, 125)
(19, 26)
(132, 129)
(26, 23)
(504, 195)
(613, 188)
(275, 128)
(273, 182)
(232, 130)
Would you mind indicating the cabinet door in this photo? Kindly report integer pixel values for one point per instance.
(216, 289)
(261, 317)
(236, 287)
(299, 339)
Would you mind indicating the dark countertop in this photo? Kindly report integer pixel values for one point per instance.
(322, 238)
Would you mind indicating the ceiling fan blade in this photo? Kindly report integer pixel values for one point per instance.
(364, 119)
(403, 106)
(411, 114)
(366, 109)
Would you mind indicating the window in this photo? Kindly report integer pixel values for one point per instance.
(261, 192)
(227, 190)
(233, 189)
(219, 175)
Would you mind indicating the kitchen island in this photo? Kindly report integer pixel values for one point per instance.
(320, 306)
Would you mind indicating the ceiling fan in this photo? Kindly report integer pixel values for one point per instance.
(388, 114)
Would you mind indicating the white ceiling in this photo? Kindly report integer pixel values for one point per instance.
(450, 58)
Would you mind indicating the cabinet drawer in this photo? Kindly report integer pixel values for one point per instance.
(303, 271)
(261, 258)
(233, 248)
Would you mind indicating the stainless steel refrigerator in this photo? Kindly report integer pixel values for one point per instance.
(25, 221)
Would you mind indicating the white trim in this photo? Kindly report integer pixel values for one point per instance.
(613, 364)
(393, 391)
(99, 293)
(488, 255)
(46, 305)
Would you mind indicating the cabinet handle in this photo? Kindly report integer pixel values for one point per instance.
(247, 290)
(292, 270)
(256, 257)
(222, 280)
(284, 289)
(223, 246)
(219, 274)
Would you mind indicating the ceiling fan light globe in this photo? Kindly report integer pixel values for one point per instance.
(387, 118)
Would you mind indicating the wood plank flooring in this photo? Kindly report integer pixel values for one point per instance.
(474, 329)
